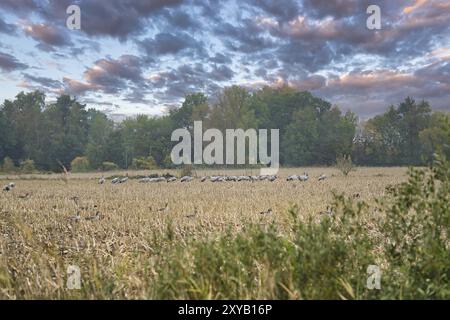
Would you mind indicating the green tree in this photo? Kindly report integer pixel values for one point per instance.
(100, 128)
(436, 136)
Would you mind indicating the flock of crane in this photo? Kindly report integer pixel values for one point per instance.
(218, 178)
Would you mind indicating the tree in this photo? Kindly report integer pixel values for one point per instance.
(436, 136)
(100, 128)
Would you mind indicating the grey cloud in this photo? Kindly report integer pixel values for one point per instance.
(9, 63)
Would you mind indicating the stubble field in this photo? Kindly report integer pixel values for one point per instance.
(139, 225)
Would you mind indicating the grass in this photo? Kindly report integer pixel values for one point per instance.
(213, 242)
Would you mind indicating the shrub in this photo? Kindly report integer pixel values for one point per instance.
(80, 164)
(143, 163)
(344, 164)
(8, 165)
(27, 166)
(416, 230)
(109, 166)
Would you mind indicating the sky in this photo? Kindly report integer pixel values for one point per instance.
(143, 56)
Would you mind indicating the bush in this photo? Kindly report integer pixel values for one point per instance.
(167, 163)
(80, 164)
(27, 166)
(416, 230)
(109, 166)
(143, 163)
(344, 164)
(8, 165)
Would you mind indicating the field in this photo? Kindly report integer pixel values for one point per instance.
(142, 244)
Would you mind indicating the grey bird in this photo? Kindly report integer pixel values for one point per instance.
(186, 179)
(266, 212)
(94, 217)
(304, 177)
(115, 180)
(76, 217)
(322, 177)
(123, 180)
(101, 180)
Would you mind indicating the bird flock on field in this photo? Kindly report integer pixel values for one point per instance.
(185, 179)
(219, 178)
(214, 178)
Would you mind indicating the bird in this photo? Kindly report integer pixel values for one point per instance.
(101, 180)
(328, 212)
(322, 177)
(76, 217)
(94, 217)
(186, 179)
(123, 180)
(292, 178)
(115, 180)
(204, 178)
(12, 185)
(266, 212)
(272, 178)
(6, 188)
(24, 196)
(193, 215)
(303, 177)
(171, 179)
(166, 206)
(75, 199)
(144, 180)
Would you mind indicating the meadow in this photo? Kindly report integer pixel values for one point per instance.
(200, 240)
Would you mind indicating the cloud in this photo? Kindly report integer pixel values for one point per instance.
(7, 28)
(169, 43)
(74, 87)
(47, 35)
(43, 81)
(8, 63)
(163, 49)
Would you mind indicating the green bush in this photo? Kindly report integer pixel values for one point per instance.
(344, 164)
(27, 166)
(143, 163)
(8, 165)
(80, 164)
(109, 166)
(416, 230)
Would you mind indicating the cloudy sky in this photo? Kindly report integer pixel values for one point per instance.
(140, 56)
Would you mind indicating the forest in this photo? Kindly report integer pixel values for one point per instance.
(36, 135)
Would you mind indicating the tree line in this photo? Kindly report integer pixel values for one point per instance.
(46, 137)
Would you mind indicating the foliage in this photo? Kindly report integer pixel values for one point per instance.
(8, 165)
(27, 166)
(109, 166)
(80, 164)
(416, 230)
(312, 131)
(344, 164)
(144, 163)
